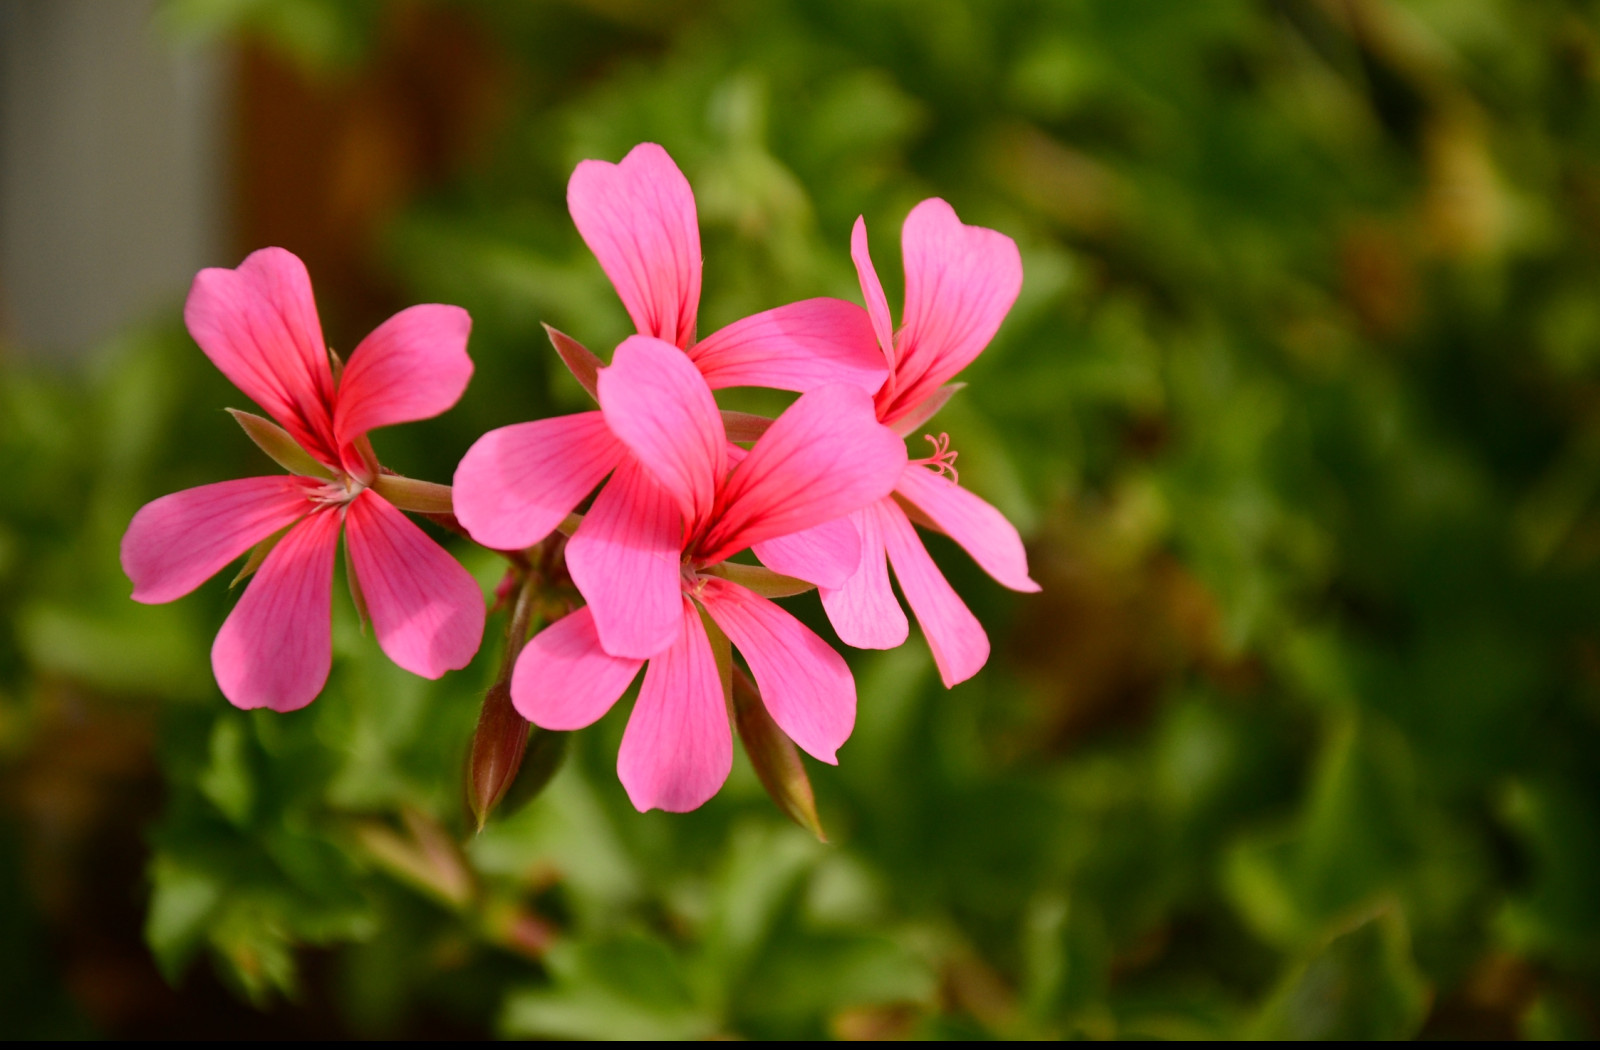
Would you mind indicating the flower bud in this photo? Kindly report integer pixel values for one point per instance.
(497, 749)
(511, 759)
(773, 754)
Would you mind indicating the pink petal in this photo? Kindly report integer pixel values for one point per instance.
(516, 484)
(657, 404)
(797, 347)
(872, 290)
(826, 554)
(960, 648)
(864, 610)
(677, 750)
(426, 610)
(176, 543)
(564, 680)
(258, 324)
(982, 531)
(625, 559)
(805, 684)
(960, 283)
(638, 218)
(413, 366)
(913, 419)
(275, 648)
(823, 458)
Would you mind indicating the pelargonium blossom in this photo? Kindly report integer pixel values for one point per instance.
(638, 217)
(258, 324)
(517, 483)
(960, 283)
(823, 458)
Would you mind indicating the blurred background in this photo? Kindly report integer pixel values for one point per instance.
(1299, 412)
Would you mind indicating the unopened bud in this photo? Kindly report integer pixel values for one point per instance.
(497, 749)
(773, 754)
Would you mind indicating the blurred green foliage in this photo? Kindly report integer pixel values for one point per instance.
(1298, 410)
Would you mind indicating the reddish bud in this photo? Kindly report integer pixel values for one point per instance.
(773, 754)
(497, 749)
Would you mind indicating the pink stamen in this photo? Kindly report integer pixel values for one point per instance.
(943, 460)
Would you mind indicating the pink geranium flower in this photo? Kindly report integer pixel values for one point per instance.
(259, 325)
(517, 483)
(639, 219)
(825, 457)
(960, 283)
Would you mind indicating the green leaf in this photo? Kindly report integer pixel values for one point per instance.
(227, 781)
(1360, 984)
(182, 903)
(622, 988)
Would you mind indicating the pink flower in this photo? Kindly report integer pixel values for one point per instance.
(822, 459)
(638, 217)
(960, 283)
(259, 325)
(517, 483)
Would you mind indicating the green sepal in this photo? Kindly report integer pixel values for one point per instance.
(762, 581)
(276, 442)
(584, 366)
(258, 554)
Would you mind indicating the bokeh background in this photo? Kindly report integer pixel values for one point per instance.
(1299, 412)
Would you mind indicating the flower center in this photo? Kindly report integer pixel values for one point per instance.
(338, 492)
(943, 460)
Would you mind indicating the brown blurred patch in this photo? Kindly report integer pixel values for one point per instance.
(1377, 277)
(1118, 619)
(324, 163)
(1488, 1004)
(876, 1023)
(79, 794)
(971, 986)
(1580, 186)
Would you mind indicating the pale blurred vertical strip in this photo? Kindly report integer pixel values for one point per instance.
(113, 161)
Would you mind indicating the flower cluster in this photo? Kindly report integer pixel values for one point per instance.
(674, 490)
